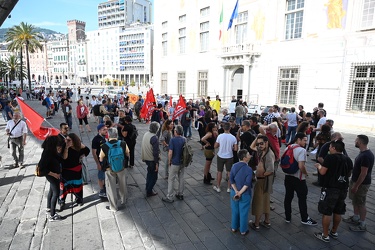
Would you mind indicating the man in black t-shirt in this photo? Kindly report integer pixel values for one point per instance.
(246, 135)
(335, 171)
(360, 184)
(96, 146)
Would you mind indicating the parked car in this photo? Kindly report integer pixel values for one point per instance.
(254, 109)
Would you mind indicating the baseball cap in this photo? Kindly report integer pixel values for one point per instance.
(100, 126)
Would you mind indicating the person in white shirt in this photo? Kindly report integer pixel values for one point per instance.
(227, 143)
(322, 121)
(16, 129)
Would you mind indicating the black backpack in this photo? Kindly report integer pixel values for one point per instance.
(96, 110)
(155, 116)
(134, 134)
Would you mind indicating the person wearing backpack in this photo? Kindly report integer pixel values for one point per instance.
(335, 172)
(113, 155)
(129, 134)
(157, 114)
(296, 182)
(176, 168)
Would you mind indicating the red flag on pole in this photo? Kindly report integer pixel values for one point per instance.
(148, 105)
(180, 108)
(34, 121)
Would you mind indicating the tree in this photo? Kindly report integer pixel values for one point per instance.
(20, 35)
(13, 68)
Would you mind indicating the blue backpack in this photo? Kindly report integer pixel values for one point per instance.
(288, 164)
(115, 156)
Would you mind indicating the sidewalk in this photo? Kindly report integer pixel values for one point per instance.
(200, 221)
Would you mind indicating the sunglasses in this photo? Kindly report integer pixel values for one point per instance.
(260, 143)
(65, 127)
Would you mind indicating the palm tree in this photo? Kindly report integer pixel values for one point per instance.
(20, 35)
(13, 68)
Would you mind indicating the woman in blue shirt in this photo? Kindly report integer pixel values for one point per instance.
(240, 177)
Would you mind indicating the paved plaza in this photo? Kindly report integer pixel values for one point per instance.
(200, 221)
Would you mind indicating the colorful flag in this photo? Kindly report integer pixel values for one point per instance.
(148, 105)
(180, 108)
(233, 16)
(133, 98)
(221, 20)
(34, 121)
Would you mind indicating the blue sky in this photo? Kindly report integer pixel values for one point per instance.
(53, 14)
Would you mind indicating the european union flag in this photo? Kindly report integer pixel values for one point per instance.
(234, 15)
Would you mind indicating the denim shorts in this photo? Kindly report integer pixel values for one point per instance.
(101, 175)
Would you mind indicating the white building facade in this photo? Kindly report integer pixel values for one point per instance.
(290, 53)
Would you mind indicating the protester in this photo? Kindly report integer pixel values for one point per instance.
(177, 170)
(130, 134)
(96, 146)
(82, 114)
(240, 194)
(67, 110)
(335, 172)
(16, 130)
(113, 178)
(209, 151)
(165, 137)
(150, 155)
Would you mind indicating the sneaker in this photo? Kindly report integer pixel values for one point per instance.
(333, 235)
(179, 196)
(321, 237)
(351, 220)
(102, 195)
(309, 222)
(358, 228)
(56, 217)
(287, 221)
(165, 199)
(217, 189)
(228, 190)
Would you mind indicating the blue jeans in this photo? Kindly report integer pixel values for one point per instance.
(68, 120)
(53, 193)
(239, 120)
(291, 133)
(152, 176)
(189, 129)
(186, 128)
(240, 211)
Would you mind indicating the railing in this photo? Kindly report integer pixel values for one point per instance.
(245, 48)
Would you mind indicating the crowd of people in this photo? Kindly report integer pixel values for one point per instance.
(250, 151)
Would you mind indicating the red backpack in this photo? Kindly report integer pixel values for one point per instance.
(288, 164)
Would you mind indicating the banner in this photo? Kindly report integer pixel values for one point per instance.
(34, 121)
(133, 98)
(180, 108)
(148, 105)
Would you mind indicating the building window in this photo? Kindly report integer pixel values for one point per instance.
(164, 42)
(182, 19)
(182, 40)
(368, 20)
(164, 83)
(361, 96)
(181, 88)
(204, 35)
(164, 25)
(294, 19)
(202, 83)
(205, 11)
(288, 86)
(241, 27)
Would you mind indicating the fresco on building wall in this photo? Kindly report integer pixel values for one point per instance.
(258, 25)
(336, 13)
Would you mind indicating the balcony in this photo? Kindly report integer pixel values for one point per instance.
(239, 54)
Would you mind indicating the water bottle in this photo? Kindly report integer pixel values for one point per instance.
(323, 195)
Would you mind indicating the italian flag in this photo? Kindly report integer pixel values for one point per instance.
(221, 20)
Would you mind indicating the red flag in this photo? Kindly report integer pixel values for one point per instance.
(34, 121)
(180, 108)
(148, 105)
(170, 101)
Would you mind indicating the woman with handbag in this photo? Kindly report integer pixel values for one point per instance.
(82, 114)
(49, 166)
(71, 181)
(166, 135)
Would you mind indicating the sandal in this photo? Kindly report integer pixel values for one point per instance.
(265, 224)
(254, 227)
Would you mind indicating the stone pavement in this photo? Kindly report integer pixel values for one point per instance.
(200, 221)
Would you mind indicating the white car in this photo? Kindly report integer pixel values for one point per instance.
(254, 109)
